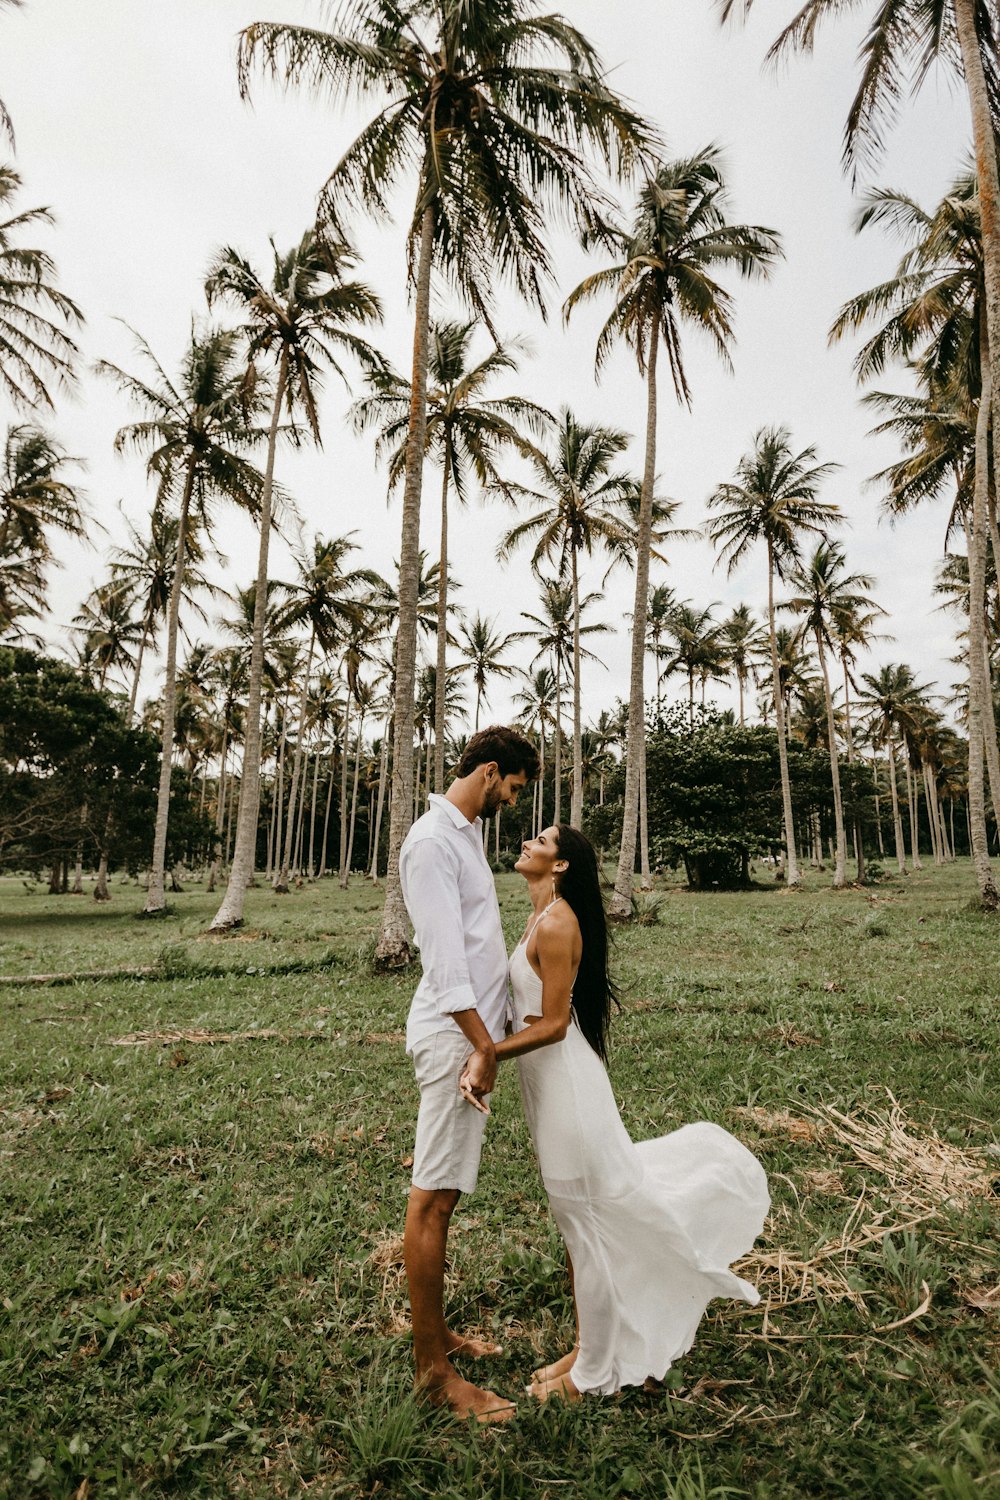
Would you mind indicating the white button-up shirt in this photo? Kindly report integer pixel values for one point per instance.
(452, 901)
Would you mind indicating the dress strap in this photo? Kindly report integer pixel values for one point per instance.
(543, 913)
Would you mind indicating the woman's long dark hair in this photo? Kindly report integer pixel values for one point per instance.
(580, 887)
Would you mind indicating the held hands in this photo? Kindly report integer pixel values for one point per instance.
(478, 1078)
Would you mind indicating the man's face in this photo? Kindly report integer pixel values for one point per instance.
(501, 791)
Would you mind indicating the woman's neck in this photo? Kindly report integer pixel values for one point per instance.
(541, 893)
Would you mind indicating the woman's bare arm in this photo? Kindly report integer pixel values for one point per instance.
(557, 949)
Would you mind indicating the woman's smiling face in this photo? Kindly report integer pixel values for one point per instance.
(539, 856)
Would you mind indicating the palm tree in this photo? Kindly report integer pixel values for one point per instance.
(889, 699)
(940, 298)
(742, 638)
(482, 646)
(680, 240)
(147, 568)
(557, 633)
(773, 500)
(695, 641)
(823, 593)
(33, 493)
(34, 499)
(536, 701)
(465, 433)
(329, 601)
(34, 347)
(111, 631)
(476, 104)
(659, 608)
(582, 505)
(300, 321)
(904, 39)
(194, 432)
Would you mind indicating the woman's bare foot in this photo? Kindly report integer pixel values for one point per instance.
(467, 1400)
(465, 1344)
(557, 1368)
(562, 1387)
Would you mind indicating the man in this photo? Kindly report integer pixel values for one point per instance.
(458, 1013)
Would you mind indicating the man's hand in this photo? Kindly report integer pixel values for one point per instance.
(478, 1078)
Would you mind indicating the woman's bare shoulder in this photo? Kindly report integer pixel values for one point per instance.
(560, 925)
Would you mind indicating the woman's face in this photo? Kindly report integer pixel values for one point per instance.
(540, 856)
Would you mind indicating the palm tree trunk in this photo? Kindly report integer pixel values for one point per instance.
(792, 864)
(326, 816)
(383, 774)
(930, 802)
(557, 753)
(741, 680)
(988, 178)
(155, 897)
(645, 877)
(146, 627)
(354, 793)
(576, 796)
(230, 913)
(281, 879)
(540, 822)
(840, 861)
(393, 948)
(279, 783)
(345, 755)
(913, 808)
(620, 905)
(878, 807)
(312, 814)
(441, 670)
(979, 696)
(220, 805)
(897, 821)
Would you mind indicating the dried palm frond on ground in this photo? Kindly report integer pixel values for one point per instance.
(777, 1122)
(923, 1171)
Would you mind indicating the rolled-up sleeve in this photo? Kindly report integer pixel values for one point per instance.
(429, 874)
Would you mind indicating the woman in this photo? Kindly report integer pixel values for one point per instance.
(650, 1228)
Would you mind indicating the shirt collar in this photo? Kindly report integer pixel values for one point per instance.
(456, 814)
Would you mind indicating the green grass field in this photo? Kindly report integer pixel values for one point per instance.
(204, 1173)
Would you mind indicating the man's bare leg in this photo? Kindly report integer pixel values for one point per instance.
(562, 1366)
(425, 1240)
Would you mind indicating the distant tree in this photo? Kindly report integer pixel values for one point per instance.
(35, 349)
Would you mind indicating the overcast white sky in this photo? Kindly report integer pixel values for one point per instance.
(130, 126)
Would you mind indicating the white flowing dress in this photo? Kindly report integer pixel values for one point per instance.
(651, 1226)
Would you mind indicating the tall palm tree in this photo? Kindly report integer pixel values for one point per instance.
(904, 39)
(329, 601)
(466, 430)
(679, 242)
(773, 499)
(581, 505)
(35, 349)
(824, 591)
(194, 433)
(482, 646)
(939, 299)
(300, 321)
(557, 632)
(473, 99)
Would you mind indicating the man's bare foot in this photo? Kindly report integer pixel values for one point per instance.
(561, 1387)
(467, 1400)
(465, 1344)
(557, 1368)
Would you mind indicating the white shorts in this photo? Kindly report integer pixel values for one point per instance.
(449, 1129)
